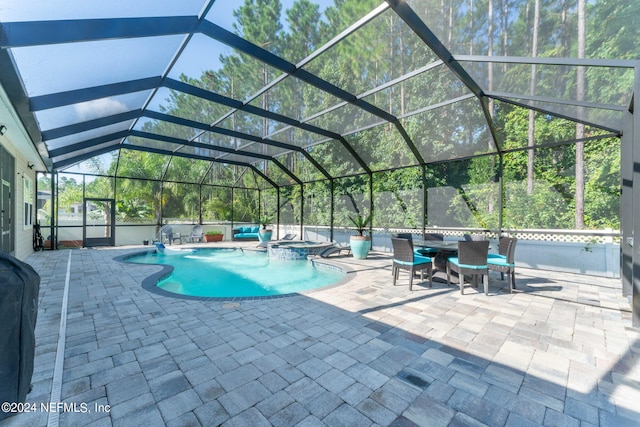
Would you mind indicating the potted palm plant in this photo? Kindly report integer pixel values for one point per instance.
(264, 233)
(360, 244)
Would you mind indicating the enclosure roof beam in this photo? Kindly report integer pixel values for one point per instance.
(37, 33)
(572, 62)
(414, 22)
(218, 33)
(185, 142)
(229, 102)
(235, 134)
(407, 14)
(214, 97)
(76, 159)
(89, 143)
(61, 99)
(12, 85)
(90, 124)
(562, 116)
(575, 103)
(198, 157)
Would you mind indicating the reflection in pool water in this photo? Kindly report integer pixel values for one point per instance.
(235, 273)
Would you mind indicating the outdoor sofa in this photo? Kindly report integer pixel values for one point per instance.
(245, 233)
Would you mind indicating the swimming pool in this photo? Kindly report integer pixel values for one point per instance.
(230, 273)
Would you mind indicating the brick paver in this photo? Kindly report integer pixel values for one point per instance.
(558, 351)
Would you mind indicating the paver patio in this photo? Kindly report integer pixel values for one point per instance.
(559, 351)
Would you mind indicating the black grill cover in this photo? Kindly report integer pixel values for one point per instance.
(19, 289)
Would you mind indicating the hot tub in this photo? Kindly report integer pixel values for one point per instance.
(295, 250)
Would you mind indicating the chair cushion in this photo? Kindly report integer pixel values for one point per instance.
(499, 262)
(417, 260)
(454, 260)
(427, 250)
(496, 256)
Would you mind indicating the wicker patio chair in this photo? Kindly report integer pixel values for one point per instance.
(404, 258)
(504, 260)
(472, 260)
(474, 237)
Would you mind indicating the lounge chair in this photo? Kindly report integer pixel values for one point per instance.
(334, 250)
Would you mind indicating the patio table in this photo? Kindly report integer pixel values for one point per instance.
(444, 249)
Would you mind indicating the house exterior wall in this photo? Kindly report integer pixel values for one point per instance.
(22, 234)
(16, 141)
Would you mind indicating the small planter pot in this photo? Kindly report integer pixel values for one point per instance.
(264, 235)
(360, 246)
(213, 237)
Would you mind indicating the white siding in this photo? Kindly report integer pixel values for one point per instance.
(22, 236)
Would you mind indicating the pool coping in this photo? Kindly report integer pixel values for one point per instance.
(150, 282)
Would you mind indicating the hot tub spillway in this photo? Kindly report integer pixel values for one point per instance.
(295, 250)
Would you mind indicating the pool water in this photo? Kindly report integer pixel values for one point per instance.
(235, 273)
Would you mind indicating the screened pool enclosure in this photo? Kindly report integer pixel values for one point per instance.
(460, 114)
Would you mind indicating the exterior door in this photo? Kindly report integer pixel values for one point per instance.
(6, 201)
(5, 217)
(99, 222)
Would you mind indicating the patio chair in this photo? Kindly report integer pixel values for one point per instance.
(404, 258)
(504, 260)
(472, 260)
(196, 234)
(167, 235)
(474, 237)
(408, 236)
(403, 236)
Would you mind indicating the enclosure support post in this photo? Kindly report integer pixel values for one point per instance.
(199, 203)
(424, 199)
(278, 209)
(54, 209)
(626, 205)
(332, 208)
(500, 193)
(371, 208)
(232, 215)
(301, 211)
(635, 140)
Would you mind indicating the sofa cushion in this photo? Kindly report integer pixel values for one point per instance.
(245, 236)
(254, 229)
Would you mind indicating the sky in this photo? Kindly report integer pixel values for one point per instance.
(58, 68)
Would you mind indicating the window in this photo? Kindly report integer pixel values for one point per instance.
(28, 202)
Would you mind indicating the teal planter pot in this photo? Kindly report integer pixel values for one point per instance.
(264, 235)
(360, 246)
